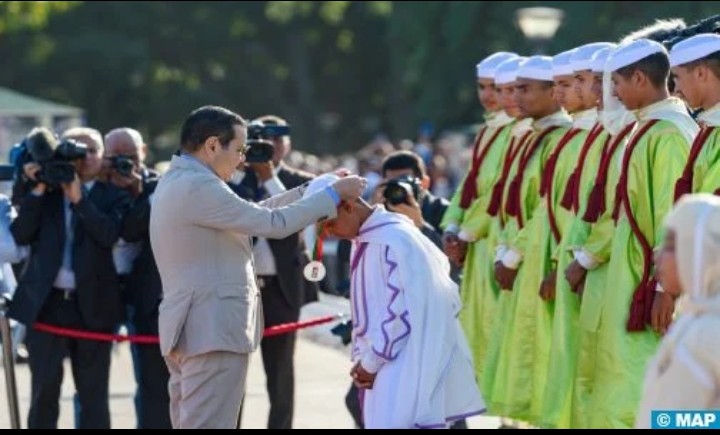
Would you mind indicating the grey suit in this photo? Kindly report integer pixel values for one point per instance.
(210, 316)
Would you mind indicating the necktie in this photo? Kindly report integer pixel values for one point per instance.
(69, 235)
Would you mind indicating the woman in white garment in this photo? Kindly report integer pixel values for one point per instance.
(685, 373)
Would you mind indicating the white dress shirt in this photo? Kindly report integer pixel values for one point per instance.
(66, 276)
(264, 259)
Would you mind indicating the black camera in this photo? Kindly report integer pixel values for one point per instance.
(55, 157)
(260, 149)
(398, 190)
(123, 165)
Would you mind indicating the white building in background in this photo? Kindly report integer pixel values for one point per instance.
(20, 113)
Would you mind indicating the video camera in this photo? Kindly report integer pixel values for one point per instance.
(123, 165)
(398, 190)
(260, 149)
(55, 157)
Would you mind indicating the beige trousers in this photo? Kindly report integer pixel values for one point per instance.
(206, 390)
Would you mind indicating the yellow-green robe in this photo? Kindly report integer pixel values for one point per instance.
(654, 166)
(706, 171)
(593, 253)
(512, 391)
(563, 350)
(453, 217)
(485, 368)
(479, 297)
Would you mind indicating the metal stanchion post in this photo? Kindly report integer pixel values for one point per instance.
(8, 356)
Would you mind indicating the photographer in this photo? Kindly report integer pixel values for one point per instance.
(279, 263)
(142, 290)
(71, 220)
(422, 207)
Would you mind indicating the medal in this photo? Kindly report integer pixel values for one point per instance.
(314, 271)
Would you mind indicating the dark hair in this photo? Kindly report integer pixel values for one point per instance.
(209, 121)
(404, 160)
(712, 61)
(656, 67)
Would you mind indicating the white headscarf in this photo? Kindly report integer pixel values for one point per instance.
(614, 115)
(696, 223)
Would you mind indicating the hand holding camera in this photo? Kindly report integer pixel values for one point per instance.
(73, 190)
(401, 195)
(263, 170)
(260, 136)
(31, 171)
(53, 159)
(411, 209)
(124, 174)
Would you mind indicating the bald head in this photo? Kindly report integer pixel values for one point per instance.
(125, 142)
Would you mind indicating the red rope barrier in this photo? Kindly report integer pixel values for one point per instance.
(284, 328)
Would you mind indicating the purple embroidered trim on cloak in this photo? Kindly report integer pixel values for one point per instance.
(389, 344)
(374, 227)
(361, 317)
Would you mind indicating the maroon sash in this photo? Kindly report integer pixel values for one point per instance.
(469, 190)
(642, 300)
(684, 183)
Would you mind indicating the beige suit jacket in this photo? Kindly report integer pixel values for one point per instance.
(200, 232)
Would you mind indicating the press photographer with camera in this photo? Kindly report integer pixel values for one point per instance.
(279, 263)
(405, 184)
(71, 220)
(125, 153)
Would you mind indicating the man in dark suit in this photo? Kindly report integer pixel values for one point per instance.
(135, 263)
(279, 267)
(70, 282)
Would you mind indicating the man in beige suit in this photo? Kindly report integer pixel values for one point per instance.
(210, 316)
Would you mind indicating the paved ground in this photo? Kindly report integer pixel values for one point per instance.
(322, 379)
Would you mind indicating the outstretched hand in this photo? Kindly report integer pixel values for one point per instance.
(350, 187)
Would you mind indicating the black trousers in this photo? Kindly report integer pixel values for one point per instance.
(152, 397)
(90, 362)
(278, 355)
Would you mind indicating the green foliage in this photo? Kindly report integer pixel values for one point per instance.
(340, 71)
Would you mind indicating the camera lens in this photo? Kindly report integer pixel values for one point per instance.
(396, 193)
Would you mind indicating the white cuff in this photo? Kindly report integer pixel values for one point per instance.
(274, 186)
(500, 251)
(466, 236)
(371, 362)
(452, 228)
(512, 259)
(586, 259)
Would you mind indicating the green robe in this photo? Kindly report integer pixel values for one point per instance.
(621, 356)
(706, 172)
(453, 217)
(527, 324)
(557, 401)
(596, 245)
(479, 294)
(486, 368)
